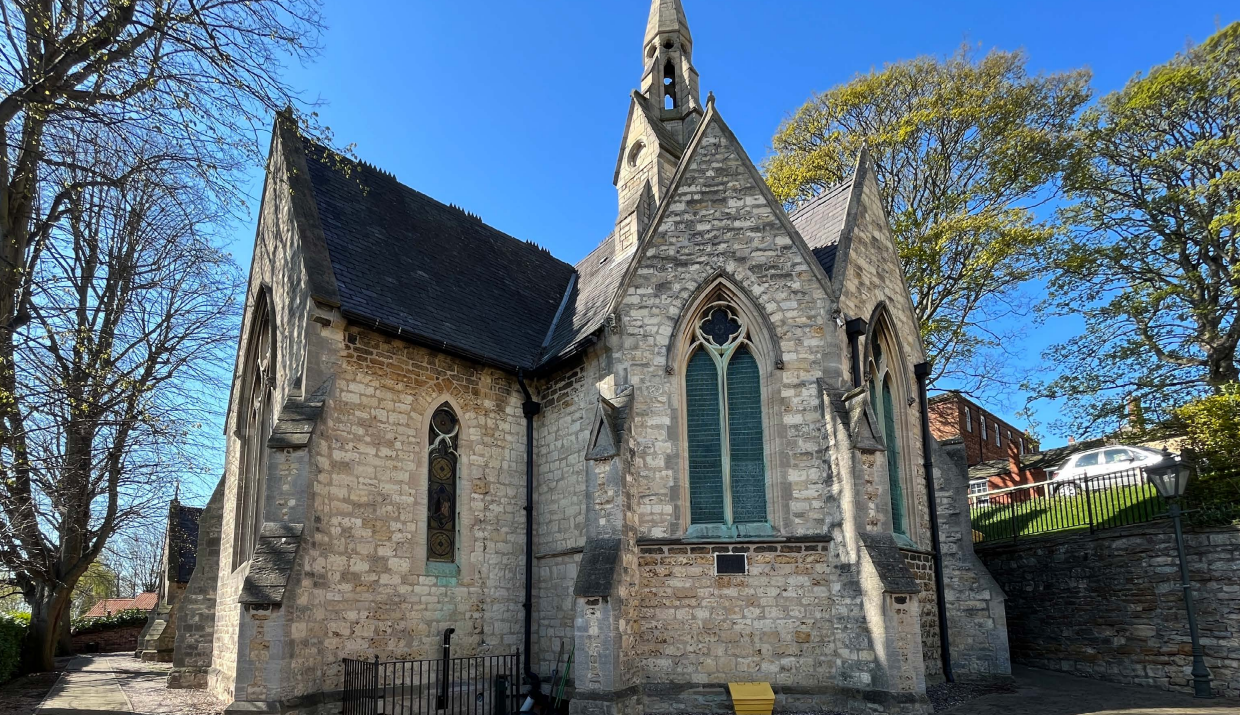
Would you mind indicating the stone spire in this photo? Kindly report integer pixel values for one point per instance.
(669, 80)
(662, 117)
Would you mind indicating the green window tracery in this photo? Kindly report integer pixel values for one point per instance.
(723, 390)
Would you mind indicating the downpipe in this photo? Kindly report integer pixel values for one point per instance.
(531, 409)
(922, 371)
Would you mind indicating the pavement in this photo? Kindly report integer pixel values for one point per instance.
(1043, 692)
(88, 687)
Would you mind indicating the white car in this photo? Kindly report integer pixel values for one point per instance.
(1106, 467)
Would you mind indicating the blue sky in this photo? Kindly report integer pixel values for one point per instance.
(514, 110)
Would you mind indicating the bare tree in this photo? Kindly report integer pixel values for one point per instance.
(137, 556)
(123, 124)
(133, 310)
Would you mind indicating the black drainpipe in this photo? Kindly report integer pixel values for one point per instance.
(531, 409)
(922, 371)
(856, 328)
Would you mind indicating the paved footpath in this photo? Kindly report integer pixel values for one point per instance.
(87, 687)
(1042, 692)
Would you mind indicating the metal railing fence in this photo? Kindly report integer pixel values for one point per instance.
(1093, 503)
(479, 685)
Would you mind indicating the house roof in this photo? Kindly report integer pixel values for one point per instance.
(143, 602)
(821, 222)
(1045, 460)
(429, 272)
(183, 539)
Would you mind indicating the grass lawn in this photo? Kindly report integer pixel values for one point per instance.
(1117, 506)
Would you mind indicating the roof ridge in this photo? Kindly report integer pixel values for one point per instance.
(826, 193)
(451, 206)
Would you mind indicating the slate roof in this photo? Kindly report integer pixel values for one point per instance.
(107, 606)
(821, 222)
(431, 273)
(183, 539)
(598, 277)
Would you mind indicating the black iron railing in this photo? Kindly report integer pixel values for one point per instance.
(480, 685)
(1093, 503)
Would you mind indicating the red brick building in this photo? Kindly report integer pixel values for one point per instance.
(986, 437)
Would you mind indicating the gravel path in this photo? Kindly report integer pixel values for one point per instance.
(145, 685)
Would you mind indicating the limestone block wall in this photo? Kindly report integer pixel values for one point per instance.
(977, 611)
(1109, 606)
(278, 265)
(195, 616)
(718, 224)
(569, 400)
(773, 623)
(367, 588)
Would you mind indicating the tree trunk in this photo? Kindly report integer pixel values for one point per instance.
(39, 648)
(64, 641)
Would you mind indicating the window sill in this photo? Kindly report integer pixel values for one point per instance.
(904, 542)
(442, 569)
(729, 531)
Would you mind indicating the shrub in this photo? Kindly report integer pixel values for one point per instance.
(120, 619)
(1211, 429)
(12, 632)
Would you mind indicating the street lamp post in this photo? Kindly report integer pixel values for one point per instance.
(1171, 481)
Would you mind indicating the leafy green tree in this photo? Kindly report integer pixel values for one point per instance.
(1153, 261)
(964, 149)
(1210, 428)
(98, 583)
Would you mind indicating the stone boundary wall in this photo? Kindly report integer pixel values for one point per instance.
(116, 640)
(1109, 605)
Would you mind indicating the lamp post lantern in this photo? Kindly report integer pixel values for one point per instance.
(1171, 481)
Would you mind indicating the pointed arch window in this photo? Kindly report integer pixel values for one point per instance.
(886, 406)
(254, 422)
(669, 85)
(441, 504)
(723, 395)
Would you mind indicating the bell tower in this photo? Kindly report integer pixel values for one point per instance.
(670, 81)
(662, 117)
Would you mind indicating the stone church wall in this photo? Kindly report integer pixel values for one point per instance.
(719, 224)
(195, 626)
(367, 589)
(569, 400)
(773, 623)
(278, 263)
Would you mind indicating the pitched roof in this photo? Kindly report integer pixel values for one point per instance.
(821, 222)
(428, 272)
(183, 539)
(143, 602)
(1045, 460)
(598, 277)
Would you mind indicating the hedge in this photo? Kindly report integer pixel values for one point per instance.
(12, 632)
(120, 619)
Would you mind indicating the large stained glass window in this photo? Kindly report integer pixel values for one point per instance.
(723, 391)
(441, 504)
(254, 418)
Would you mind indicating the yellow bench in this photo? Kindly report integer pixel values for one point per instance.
(752, 698)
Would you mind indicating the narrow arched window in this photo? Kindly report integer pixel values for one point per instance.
(669, 85)
(254, 421)
(887, 408)
(441, 482)
(723, 392)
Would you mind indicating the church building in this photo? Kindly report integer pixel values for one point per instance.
(698, 456)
